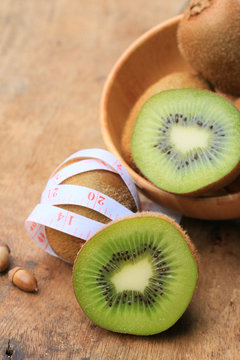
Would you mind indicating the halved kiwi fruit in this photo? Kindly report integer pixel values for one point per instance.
(187, 141)
(137, 275)
(174, 80)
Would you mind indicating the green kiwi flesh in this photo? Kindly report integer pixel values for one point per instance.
(137, 275)
(174, 80)
(187, 141)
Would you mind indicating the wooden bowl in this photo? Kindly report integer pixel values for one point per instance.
(152, 56)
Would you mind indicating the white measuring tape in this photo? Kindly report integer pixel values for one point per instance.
(48, 214)
(108, 162)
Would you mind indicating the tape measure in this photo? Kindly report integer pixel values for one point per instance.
(47, 213)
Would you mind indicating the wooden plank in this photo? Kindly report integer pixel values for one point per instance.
(54, 58)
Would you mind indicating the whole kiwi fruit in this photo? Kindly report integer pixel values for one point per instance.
(108, 183)
(209, 40)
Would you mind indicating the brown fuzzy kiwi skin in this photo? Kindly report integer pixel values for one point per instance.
(191, 246)
(237, 103)
(175, 80)
(67, 246)
(234, 187)
(208, 38)
(220, 192)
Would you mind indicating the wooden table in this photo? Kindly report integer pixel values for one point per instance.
(54, 59)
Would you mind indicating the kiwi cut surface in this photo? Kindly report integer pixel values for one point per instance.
(107, 182)
(186, 141)
(137, 275)
(174, 80)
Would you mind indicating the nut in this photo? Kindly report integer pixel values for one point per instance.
(23, 279)
(4, 256)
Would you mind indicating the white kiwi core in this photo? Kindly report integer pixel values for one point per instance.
(186, 139)
(133, 276)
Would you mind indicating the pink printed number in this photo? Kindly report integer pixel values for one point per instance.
(32, 227)
(41, 237)
(101, 200)
(53, 192)
(60, 216)
(91, 196)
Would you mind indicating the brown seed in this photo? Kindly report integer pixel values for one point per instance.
(23, 279)
(4, 256)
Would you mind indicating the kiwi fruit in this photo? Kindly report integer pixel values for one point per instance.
(137, 275)
(175, 80)
(209, 40)
(237, 103)
(220, 192)
(186, 141)
(108, 183)
(234, 187)
(229, 97)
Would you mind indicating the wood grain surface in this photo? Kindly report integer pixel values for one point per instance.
(54, 58)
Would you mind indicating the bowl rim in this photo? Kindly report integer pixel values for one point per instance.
(140, 181)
